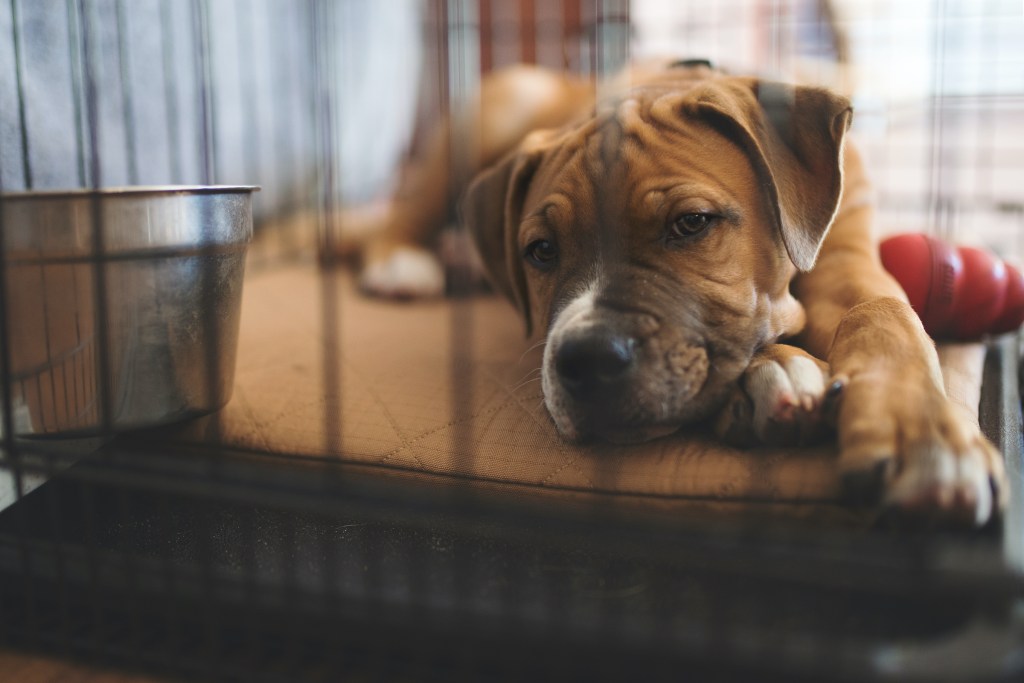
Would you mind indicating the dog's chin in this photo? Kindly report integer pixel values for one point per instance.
(609, 431)
(577, 425)
(625, 436)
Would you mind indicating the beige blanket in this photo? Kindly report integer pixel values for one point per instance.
(448, 392)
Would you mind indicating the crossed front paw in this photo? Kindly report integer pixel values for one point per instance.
(786, 397)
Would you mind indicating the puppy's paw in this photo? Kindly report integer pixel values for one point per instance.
(785, 398)
(919, 456)
(403, 272)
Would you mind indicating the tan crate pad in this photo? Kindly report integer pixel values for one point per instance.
(395, 406)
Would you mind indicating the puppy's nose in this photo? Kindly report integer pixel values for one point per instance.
(594, 362)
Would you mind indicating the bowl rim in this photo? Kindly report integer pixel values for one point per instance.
(127, 190)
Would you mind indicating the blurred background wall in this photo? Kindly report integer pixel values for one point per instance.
(198, 91)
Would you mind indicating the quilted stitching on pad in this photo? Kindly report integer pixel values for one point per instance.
(394, 405)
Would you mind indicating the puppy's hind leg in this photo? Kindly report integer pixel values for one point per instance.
(511, 103)
(397, 263)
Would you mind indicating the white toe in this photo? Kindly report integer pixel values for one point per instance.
(771, 392)
(942, 480)
(807, 380)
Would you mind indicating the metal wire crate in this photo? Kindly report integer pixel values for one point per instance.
(245, 565)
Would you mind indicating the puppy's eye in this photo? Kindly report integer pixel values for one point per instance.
(541, 253)
(691, 224)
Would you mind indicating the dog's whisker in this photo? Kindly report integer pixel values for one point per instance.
(524, 383)
(526, 377)
(531, 377)
(539, 344)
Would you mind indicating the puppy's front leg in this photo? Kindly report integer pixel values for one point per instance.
(899, 434)
(901, 440)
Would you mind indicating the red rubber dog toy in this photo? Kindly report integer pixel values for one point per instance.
(959, 293)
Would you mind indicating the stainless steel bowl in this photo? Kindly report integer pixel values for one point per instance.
(130, 327)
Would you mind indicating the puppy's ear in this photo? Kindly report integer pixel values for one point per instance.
(492, 208)
(794, 135)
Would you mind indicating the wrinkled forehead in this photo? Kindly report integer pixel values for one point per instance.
(630, 155)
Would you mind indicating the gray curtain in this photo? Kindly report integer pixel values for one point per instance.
(207, 91)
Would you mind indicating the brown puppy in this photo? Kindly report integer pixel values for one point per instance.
(667, 239)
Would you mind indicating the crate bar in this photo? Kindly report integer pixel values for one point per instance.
(11, 464)
(939, 209)
(611, 35)
(11, 456)
(461, 84)
(77, 56)
(486, 36)
(325, 82)
(246, 63)
(26, 159)
(75, 69)
(292, 147)
(460, 56)
(208, 251)
(205, 91)
(329, 78)
(248, 38)
(212, 620)
(167, 48)
(321, 24)
(610, 31)
(131, 150)
(572, 35)
(99, 278)
(459, 72)
(98, 245)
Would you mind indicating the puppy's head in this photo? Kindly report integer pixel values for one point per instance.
(654, 244)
